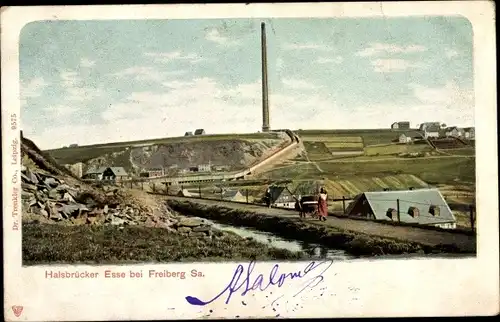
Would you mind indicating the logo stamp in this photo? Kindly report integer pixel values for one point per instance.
(17, 309)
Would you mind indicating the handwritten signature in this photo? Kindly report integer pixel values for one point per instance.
(259, 283)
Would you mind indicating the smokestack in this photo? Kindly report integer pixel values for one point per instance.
(265, 98)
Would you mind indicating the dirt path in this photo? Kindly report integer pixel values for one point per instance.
(413, 234)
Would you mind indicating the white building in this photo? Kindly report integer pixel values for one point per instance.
(403, 138)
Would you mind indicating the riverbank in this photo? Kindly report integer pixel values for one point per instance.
(83, 244)
(354, 243)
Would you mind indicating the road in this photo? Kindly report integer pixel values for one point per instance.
(412, 234)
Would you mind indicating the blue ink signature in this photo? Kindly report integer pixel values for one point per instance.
(248, 283)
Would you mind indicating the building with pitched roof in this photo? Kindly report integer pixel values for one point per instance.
(452, 131)
(233, 195)
(94, 173)
(398, 126)
(281, 197)
(106, 173)
(432, 131)
(417, 206)
(470, 133)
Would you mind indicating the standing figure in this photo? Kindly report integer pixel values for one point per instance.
(268, 197)
(322, 205)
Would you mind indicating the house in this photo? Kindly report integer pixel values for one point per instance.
(424, 125)
(431, 131)
(153, 172)
(114, 173)
(452, 131)
(94, 173)
(400, 126)
(469, 133)
(233, 195)
(74, 145)
(421, 206)
(199, 132)
(188, 134)
(204, 167)
(404, 138)
(281, 197)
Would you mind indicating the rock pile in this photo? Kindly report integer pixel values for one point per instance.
(50, 198)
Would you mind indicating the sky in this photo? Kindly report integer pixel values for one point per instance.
(88, 82)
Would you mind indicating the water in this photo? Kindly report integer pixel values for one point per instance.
(314, 250)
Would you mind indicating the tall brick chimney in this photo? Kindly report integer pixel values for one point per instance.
(265, 97)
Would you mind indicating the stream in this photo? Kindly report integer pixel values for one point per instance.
(269, 239)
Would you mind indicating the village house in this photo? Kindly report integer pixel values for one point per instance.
(452, 131)
(94, 173)
(115, 173)
(199, 132)
(431, 131)
(400, 126)
(204, 167)
(469, 133)
(281, 197)
(106, 173)
(188, 134)
(405, 138)
(419, 206)
(233, 195)
(424, 125)
(153, 173)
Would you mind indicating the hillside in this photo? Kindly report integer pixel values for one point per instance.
(234, 153)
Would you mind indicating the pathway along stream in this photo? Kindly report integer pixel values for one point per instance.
(314, 250)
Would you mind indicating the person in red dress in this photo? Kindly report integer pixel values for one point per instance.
(322, 205)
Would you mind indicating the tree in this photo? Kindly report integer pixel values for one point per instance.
(443, 125)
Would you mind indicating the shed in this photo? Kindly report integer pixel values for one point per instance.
(188, 134)
(199, 132)
(415, 206)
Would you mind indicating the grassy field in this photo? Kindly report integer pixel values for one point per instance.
(58, 244)
(436, 170)
(317, 151)
(369, 136)
(324, 147)
(87, 152)
(462, 151)
(396, 148)
(332, 138)
(354, 185)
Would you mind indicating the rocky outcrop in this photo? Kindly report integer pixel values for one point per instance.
(48, 198)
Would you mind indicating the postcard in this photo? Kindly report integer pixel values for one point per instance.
(300, 160)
